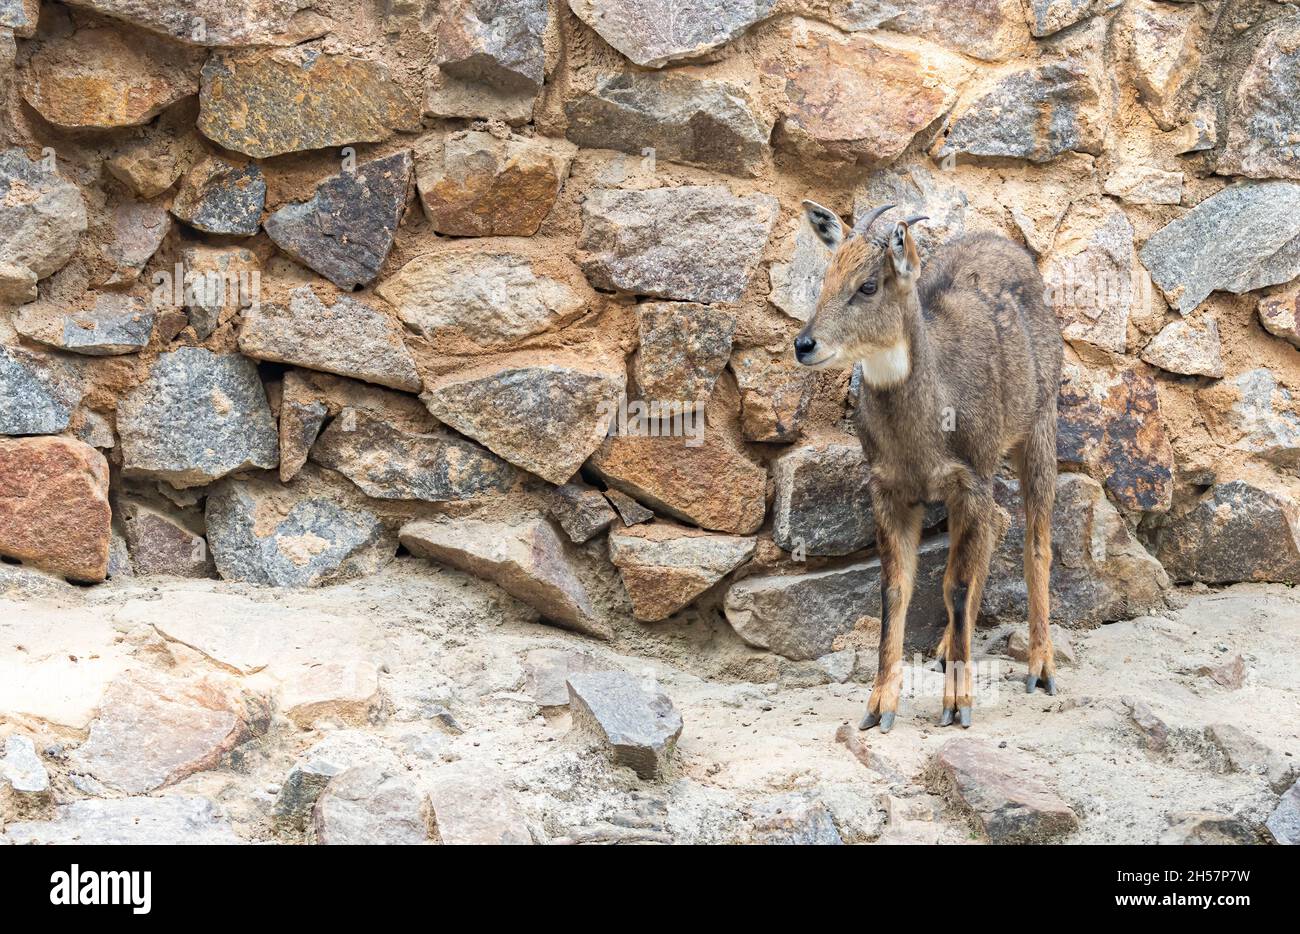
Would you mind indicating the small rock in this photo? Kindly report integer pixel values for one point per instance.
(1062, 649)
(22, 771)
(153, 730)
(302, 787)
(1206, 828)
(369, 806)
(823, 504)
(581, 511)
(1231, 674)
(493, 299)
(689, 243)
(138, 229)
(1047, 17)
(221, 197)
(497, 43)
(196, 417)
(162, 542)
(546, 674)
(794, 820)
(1236, 532)
(1186, 347)
(545, 414)
(267, 102)
(1165, 56)
(708, 123)
(1252, 413)
(653, 33)
(335, 691)
(1143, 184)
(1004, 792)
(473, 184)
(1284, 822)
(1266, 115)
(37, 395)
(388, 462)
(115, 324)
(21, 16)
(526, 558)
(1154, 730)
(838, 666)
(219, 282)
(991, 30)
(43, 219)
(1247, 754)
(472, 806)
(665, 567)
(684, 348)
(637, 724)
(630, 512)
(101, 78)
(344, 232)
(54, 512)
(1090, 274)
(264, 533)
(348, 337)
(1243, 238)
(450, 97)
(797, 282)
(167, 821)
(151, 163)
(774, 395)
(1280, 314)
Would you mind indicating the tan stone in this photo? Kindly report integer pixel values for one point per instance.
(475, 184)
(1164, 54)
(344, 692)
(98, 78)
(1279, 313)
(665, 567)
(54, 511)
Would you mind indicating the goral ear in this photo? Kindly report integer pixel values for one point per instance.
(825, 223)
(904, 260)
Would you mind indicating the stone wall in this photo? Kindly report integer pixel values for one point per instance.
(288, 288)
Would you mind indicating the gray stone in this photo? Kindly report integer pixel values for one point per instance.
(389, 462)
(915, 188)
(219, 282)
(630, 512)
(684, 347)
(185, 820)
(335, 754)
(545, 414)
(1154, 731)
(265, 533)
(37, 395)
(800, 616)
(583, 512)
(635, 722)
(1144, 184)
(524, 557)
(1004, 791)
(347, 337)
(690, 243)
(794, 820)
(450, 97)
(665, 567)
(43, 219)
(991, 30)
(1051, 16)
(473, 806)
(1165, 58)
(221, 197)
(774, 395)
(797, 282)
(1259, 420)
(1100, 572)
(1207, 828)
(1188, 348)
(1244, 238)
(138, 229)
(216, 22)
(301, 418)
(709, 123)
(823, 504)
(164, 542)
(344, 232)
(1284, 823)
(655, 32)
(493, 299)
(368, 805)
(1090, 275)
(21, 768)
(116, 323)
(494, 42)
(21, 16)
(1236, 532)
(1035, 113)
(547, 671)
(839, 666)
(1248, 755)
(1262, 132)
(196, 417)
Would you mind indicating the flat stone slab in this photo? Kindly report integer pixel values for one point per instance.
(21, 768)
(369, 806)
(473, 806)
(1004, 792)
(638, 726)
(665, 567)
(655, 32)
(114, 324)
(184, 820)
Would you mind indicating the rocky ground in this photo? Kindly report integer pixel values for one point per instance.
(424, 705)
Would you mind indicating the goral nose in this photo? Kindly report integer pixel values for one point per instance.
(804, 347)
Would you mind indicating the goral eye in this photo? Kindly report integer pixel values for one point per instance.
(868, 287)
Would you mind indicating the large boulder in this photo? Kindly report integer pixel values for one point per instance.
(1244, 238)
(196, 417)
(43, 219)
(345, 230)
(284, 536)
(653, 33)
(1266, 112)
(665, 567)
(544, 414)
(476, 184)
(1236, 532)
(706, 122)
(54, 511)
(823, 504)
(524, 557)
(689, 243)
(349, 337)
(266, 103)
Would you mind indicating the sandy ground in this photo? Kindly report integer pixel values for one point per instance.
(450, 653)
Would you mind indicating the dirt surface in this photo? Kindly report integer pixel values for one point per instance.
(453, 686)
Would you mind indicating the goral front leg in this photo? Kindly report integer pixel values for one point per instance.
(898, 533)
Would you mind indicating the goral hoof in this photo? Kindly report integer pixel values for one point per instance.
(885, 721)
(1031, 684)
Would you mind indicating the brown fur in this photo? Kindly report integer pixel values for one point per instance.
(981, 362)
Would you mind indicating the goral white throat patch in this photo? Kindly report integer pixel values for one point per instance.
(888, 367)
